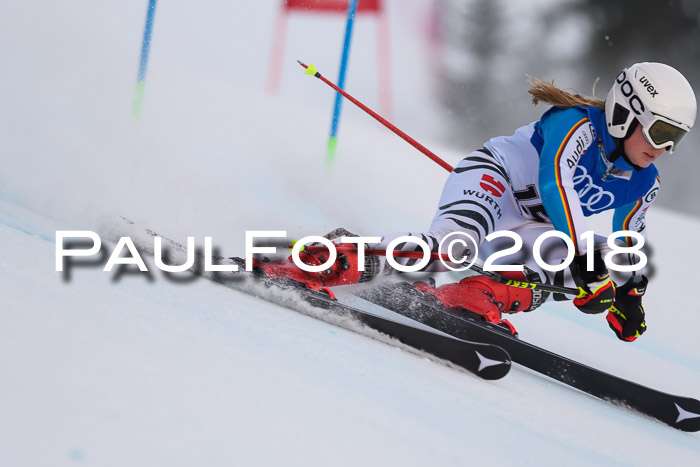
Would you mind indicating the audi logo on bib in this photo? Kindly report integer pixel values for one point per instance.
(592, 197)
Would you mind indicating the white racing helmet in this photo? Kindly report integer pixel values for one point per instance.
(659, 97)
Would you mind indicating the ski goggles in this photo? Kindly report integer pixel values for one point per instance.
(663, 133)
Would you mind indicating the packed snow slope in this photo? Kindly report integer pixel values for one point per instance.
(134, 369)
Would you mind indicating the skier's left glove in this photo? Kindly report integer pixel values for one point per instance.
(599, 288)
(626, 316)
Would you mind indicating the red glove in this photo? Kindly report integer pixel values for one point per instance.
(626, 317)
(597, 283)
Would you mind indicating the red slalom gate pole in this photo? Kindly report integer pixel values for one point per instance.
(311, 70)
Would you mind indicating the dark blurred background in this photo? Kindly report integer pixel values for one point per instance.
(489, 46)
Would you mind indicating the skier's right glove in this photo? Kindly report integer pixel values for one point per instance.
(599, 288)
(626, 317)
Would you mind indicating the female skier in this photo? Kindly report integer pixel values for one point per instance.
(582, 157)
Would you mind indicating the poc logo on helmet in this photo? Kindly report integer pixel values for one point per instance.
(635, 102)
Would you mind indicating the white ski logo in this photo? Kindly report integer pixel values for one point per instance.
(684, 414)
(487, 362)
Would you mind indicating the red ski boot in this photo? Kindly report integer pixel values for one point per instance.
(486, 297)
(344, 271)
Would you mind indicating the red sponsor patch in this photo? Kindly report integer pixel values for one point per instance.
(491, 185)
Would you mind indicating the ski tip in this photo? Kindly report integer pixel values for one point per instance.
(688, 418)
(495, 366)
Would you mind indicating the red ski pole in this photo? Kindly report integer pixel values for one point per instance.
(371, 251)
(578, 292)
(311, 70)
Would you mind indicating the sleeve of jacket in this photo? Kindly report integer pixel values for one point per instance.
(567, 135)
(633, 217)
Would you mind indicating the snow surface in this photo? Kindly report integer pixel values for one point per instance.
(109, 369)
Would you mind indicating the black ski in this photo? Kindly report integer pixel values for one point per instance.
(487, 361)
(679, 412)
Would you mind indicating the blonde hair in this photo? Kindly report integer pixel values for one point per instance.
(548, 93)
